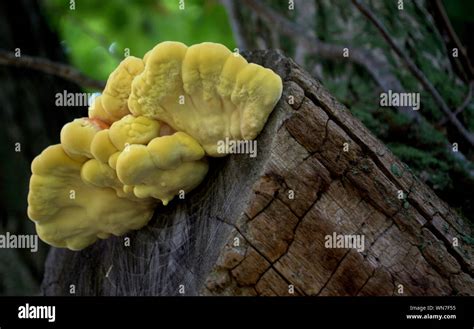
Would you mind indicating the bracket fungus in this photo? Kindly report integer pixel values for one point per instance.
(146, 140)
(205, 91)
(165, 166)
(69, 212)
(112, 104)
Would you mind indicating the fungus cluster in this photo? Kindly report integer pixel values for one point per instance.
(146, 139)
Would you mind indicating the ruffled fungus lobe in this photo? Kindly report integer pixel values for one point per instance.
(76, 137)
(206, 91)
(146, 139)
(70, 213)
(102, 147)
(133, 130)
(164, 167)
(112, 104)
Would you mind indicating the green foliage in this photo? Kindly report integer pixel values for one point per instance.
(426, 136)
(468, 239)
(96, 33)
(378, 127)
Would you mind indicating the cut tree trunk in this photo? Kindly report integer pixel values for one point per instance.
(258, 226)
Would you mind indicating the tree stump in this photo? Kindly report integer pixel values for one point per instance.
(258, 226)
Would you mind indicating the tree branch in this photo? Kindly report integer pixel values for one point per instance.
(417, 73)
(376, 65)
(467, 100)
(462, 107)
(47, 66)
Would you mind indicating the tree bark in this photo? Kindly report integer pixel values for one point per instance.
(257, 226)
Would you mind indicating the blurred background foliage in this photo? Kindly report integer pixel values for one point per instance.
(96, 34)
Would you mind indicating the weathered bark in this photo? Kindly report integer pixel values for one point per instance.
(241, 233)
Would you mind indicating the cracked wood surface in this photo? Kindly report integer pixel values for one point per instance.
(257, 226)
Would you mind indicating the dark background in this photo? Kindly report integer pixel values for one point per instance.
(94, 36)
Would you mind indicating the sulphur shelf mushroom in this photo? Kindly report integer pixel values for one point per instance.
(146, 140)
(205, 91)
(164, 167)
(70, 213)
